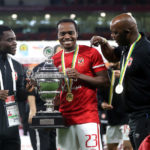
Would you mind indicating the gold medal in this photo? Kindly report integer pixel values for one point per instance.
(69, 97)
(69, 82)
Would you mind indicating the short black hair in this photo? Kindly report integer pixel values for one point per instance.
(4, 28)
(68, 20)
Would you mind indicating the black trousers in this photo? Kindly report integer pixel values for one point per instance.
(10, 139)
(10, 144)
(139, 123)
(43, 139)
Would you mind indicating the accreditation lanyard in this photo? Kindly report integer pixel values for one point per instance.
(11, 108)
(13, 75)
(119, 87)
(69, 81)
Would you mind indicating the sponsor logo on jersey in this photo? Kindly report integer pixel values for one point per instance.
(80, 61)
(130, 61)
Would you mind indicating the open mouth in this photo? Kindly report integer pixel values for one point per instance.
(13, 49)
(67, 42)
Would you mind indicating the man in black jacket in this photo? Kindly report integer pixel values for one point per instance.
(11, 90)
(40, 138)
(134, 82)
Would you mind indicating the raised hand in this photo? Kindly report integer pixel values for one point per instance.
(30, 85)
(98, 40)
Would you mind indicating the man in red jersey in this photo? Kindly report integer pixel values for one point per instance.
(78, 103)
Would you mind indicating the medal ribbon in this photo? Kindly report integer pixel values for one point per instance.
(13, 75)
(124, 66)
(69, 82)
(111, 87)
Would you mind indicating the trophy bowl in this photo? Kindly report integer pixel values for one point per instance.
(48, 90)
(49, 81)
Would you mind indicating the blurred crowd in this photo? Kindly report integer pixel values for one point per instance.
(86, 2)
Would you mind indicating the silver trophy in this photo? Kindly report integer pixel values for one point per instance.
(49, 81)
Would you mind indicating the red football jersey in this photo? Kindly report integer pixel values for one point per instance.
(83, 107)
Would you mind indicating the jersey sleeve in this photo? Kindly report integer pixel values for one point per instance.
(57, 59)
(97, 61)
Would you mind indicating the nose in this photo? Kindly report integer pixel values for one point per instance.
(113, 36)
(14, 42)
(67, 35)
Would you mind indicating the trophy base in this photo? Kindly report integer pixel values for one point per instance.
(48, 120)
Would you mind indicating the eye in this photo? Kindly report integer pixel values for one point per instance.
(11, 39)
(70, 32)
(62, 33)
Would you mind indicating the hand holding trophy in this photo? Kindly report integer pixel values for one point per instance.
(31, 84)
